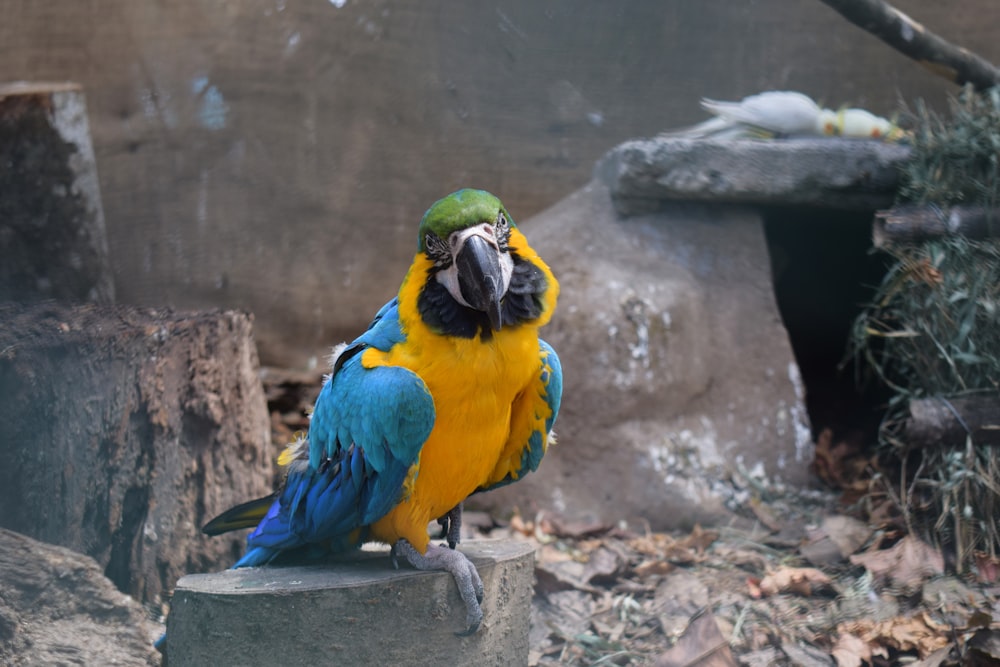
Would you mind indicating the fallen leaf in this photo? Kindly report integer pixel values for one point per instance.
(603, 566)
(917, 633)
(701, 645)
(935, 658)
(836, 538)
(553, 525)
(681, 593)
(700, 539)
(561, 576)
(686, 550)
(985, 644)
(765, 515)
(839, 463)
(650, 567)
(884, 513)
(979, 619)
(987, 567)
(519, 525)
(846, 532)
(764, 657)
(951, 596)
(798, 580)
(904, 566)
(803, 655)
(851, 651)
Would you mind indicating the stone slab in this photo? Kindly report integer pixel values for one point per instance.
(679, 375)
(357, 610)
(833, 173)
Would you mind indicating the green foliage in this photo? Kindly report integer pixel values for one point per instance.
(956, 160)
(934, 327)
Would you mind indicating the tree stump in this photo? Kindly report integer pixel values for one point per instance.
(123, 430)
(52, 241)
(357, 611)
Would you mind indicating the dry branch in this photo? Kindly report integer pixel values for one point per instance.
(910, 223)
(910, 38)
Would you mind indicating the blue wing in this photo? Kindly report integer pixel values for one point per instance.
(532, 417)
(366, 432)
(551, 380)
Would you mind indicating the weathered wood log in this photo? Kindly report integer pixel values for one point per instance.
(123, 430)
(58, 608)
(52, 240)
(911, 223)
(938, 421)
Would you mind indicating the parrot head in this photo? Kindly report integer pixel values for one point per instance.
(466, 236)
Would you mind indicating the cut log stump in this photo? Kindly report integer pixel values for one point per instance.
(358, 611)
(123, 430)
(52, 240)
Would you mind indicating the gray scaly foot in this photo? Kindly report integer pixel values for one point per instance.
(470, 586)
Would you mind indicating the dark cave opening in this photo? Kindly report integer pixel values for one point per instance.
(825, 272)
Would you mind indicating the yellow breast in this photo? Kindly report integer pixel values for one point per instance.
(474, 384)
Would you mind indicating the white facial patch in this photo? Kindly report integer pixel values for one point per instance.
(449, 277)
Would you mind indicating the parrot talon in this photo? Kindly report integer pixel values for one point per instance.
(470, 585)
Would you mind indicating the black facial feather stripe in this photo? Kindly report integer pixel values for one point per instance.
(522, 303)
(437, 251)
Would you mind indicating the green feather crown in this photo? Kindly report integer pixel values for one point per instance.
(459, 210)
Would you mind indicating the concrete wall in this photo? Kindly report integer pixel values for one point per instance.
(276, 155)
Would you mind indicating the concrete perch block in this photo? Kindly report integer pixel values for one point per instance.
(830, 173)
(356, 610)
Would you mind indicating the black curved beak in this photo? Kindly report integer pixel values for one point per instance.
(479, 277)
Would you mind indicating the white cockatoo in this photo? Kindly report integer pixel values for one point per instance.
(785, 113)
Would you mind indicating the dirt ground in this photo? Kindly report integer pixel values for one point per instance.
(821, 577)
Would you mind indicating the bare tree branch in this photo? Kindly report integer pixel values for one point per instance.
(902, 33)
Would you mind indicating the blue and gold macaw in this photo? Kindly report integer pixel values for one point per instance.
(449, 392)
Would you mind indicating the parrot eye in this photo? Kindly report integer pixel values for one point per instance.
(502, 231)
(437, 250)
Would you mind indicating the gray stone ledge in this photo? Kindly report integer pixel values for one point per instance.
(356, 610)
(832, 173)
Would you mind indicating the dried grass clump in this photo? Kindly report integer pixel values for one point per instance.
(934, 328)
(934, 331)
(956, 160)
